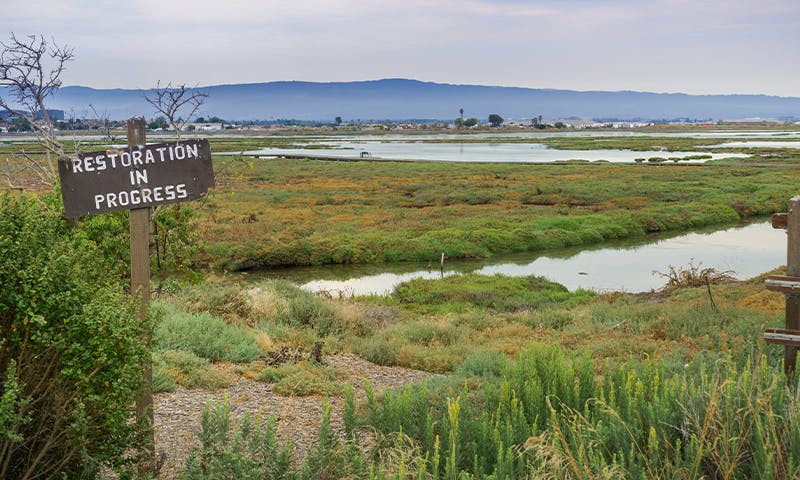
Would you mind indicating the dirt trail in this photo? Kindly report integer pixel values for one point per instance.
(178, 413)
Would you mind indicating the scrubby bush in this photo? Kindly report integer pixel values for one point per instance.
(269, 303)
(249, 448)
(299, 307)
(487, 292)
(173, 367)
(303, 378)
(203, 335)
(72, 348)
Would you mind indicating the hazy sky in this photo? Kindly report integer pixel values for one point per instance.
(691, 46)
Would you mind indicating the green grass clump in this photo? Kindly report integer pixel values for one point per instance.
(264, 305)
(496, 293)
(298, 307)
(176, 367)
(303, 379)
(203, 335)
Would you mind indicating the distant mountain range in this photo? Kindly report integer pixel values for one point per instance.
(399, 99)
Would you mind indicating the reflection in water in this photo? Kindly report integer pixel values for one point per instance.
(756, 144)
(482, 152)
(615, 266)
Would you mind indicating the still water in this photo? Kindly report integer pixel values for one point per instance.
(757, 144)
(614, 266)
(478, 152)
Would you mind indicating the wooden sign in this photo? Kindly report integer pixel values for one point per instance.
(136, 177)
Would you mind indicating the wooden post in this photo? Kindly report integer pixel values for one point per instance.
(140, 286)
(792, 270)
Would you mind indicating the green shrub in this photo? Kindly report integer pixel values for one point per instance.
(303, 379)
(488, 364)
(244, 450)
(432, 348)
(487, 292)
(249, 449)
(72, 349)
(382, 348)
(175, 239)
(202, 335)
(302, 308)
(174, 367)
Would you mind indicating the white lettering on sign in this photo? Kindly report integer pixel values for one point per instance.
(127, 159)
(136, 177)
(143, 196)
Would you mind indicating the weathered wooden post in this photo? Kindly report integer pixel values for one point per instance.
(789, 285)
(140, 287)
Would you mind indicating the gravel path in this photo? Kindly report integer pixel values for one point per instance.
(177, 413)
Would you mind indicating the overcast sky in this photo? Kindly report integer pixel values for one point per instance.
(690, 46)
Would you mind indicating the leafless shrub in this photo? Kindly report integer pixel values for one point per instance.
(30, 69)
(694, 276)
(104, 123)
(177, 103)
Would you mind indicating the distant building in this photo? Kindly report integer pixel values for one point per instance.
(55, 115)
(205, 127)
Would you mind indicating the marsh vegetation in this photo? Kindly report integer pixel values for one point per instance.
(538, 381)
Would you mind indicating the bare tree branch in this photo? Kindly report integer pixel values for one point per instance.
(30, 69)
(105, 124)
(172, 101)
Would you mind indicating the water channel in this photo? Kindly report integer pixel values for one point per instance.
(629, 266)
(407, 149)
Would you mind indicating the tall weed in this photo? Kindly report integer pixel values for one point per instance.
(549, 413)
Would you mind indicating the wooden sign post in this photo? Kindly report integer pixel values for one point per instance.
(140, 286)
(136, 178)
(789, 285)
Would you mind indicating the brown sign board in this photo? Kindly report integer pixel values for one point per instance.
(136, 177)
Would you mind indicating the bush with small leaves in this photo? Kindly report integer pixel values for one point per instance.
(72, 348)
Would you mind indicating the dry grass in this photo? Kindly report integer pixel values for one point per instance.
(265, 303)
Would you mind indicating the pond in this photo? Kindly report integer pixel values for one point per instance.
(628, 266)
(479, 152)
(757, 144)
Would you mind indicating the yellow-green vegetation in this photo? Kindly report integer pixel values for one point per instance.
(304, 378)
(306, 212)
(435, 325)
(540, 381)
(220, 322)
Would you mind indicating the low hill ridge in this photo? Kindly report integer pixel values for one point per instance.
(397, 98)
